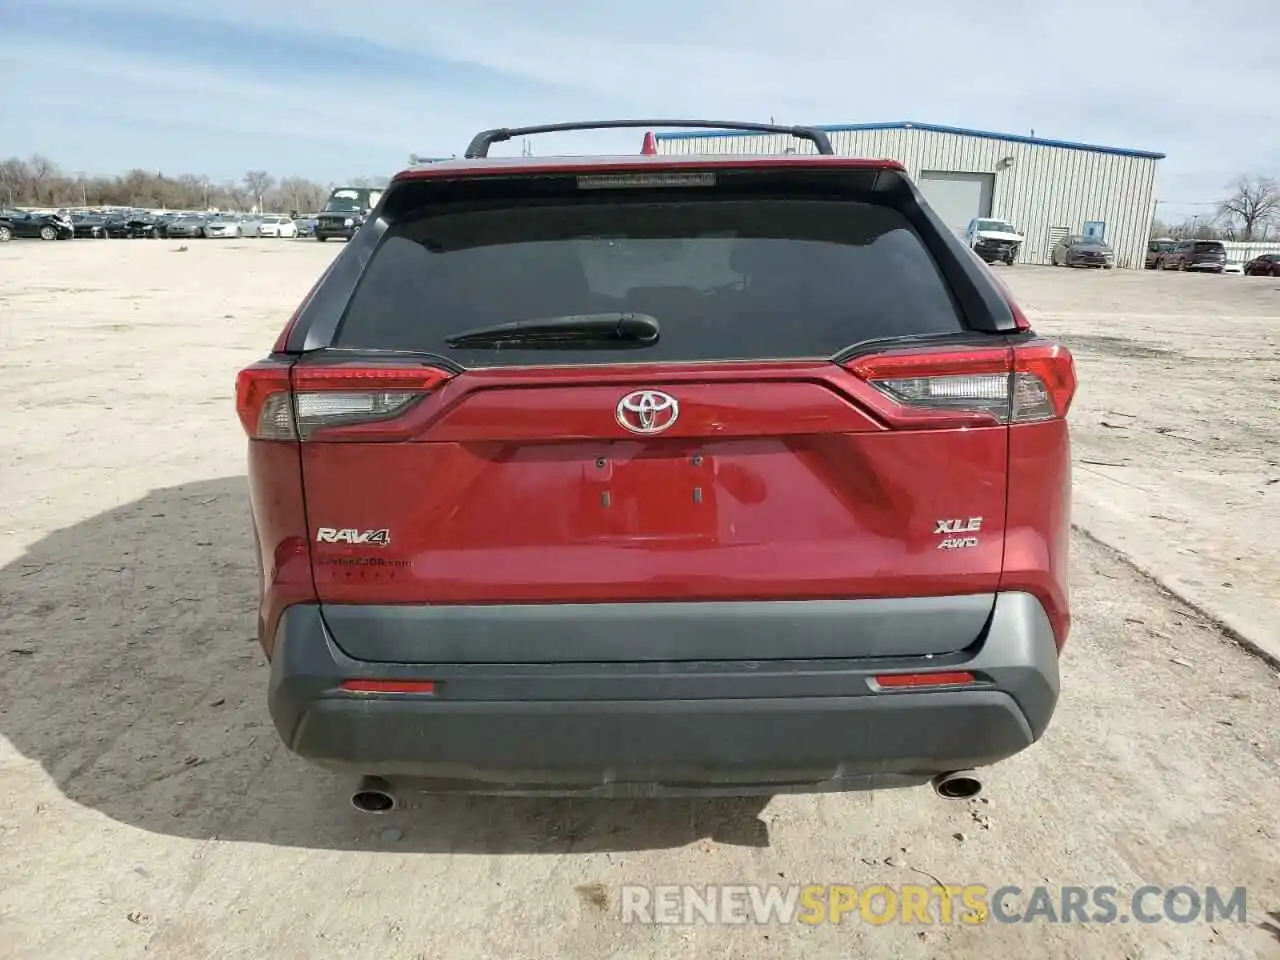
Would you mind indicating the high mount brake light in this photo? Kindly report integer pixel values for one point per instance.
(941, 387)
(275, 402)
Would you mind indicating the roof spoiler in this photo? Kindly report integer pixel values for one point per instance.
(481, 142)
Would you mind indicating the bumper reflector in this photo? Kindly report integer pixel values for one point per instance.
(896, 681)
(388, 686)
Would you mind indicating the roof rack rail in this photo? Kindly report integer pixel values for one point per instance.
(481, 142)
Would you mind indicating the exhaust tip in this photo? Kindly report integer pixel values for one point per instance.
(959, 785)
(373, 795)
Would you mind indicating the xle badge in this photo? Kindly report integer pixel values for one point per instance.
(952, 527)
(377, 538)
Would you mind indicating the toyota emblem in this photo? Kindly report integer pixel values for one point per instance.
(647, 411)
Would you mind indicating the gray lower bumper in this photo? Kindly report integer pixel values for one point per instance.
(669, 726)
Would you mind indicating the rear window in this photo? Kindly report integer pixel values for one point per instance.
(725, 279)
(1209, 246)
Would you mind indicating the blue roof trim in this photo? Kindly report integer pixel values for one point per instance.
(931, 128)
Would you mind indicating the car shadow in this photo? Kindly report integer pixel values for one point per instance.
(1272, 924)
(129, 671)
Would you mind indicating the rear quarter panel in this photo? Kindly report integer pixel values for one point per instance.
(1038, 519)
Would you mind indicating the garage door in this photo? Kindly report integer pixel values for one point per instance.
(958, 197)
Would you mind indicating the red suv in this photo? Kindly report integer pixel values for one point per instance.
(660, 474)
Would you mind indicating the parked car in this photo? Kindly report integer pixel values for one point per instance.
(550, 493)
(277, 227)
(1209, 256)
(187, 226)
(1077, 251)
(162, 221)
(1233, 266)
(306, 226)
(1157, 249)
(129, 226)
(995, 241)
(88, 225)
(1263, 265)
(223, 227)
(42, 226)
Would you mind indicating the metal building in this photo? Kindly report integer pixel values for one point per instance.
(1046, 188)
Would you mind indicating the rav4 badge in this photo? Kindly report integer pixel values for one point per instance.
(378, 538)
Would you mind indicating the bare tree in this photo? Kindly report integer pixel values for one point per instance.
(258, 183)
(1198, 227)
(13, 181)
(298, 193)
(40, 172)
(38, 182)
(1254, 202)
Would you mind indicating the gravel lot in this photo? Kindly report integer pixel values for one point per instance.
(146, 806)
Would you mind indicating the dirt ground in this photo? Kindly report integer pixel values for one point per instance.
(147, 808)
(1177, 428)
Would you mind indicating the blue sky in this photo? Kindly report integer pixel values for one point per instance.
(332, 90)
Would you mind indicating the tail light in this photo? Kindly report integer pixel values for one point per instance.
(277, 402)
(946, 387)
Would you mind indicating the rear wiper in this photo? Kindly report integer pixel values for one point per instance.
(603, 329)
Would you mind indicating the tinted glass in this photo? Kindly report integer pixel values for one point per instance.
(725, 279)
(1209, 246)
(352, 199)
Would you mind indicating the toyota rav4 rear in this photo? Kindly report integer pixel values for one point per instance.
(660, 474)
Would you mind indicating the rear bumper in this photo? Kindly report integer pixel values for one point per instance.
(668, 727)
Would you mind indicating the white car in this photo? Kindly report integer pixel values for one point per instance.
(1233, 266)
(277, 227)
(220, 227)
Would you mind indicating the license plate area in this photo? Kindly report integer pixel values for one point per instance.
(646, 493)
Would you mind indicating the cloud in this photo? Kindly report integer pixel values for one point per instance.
(334, 88)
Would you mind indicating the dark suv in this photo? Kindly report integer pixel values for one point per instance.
(1205, 255)
(345, 211)
(659, 474)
